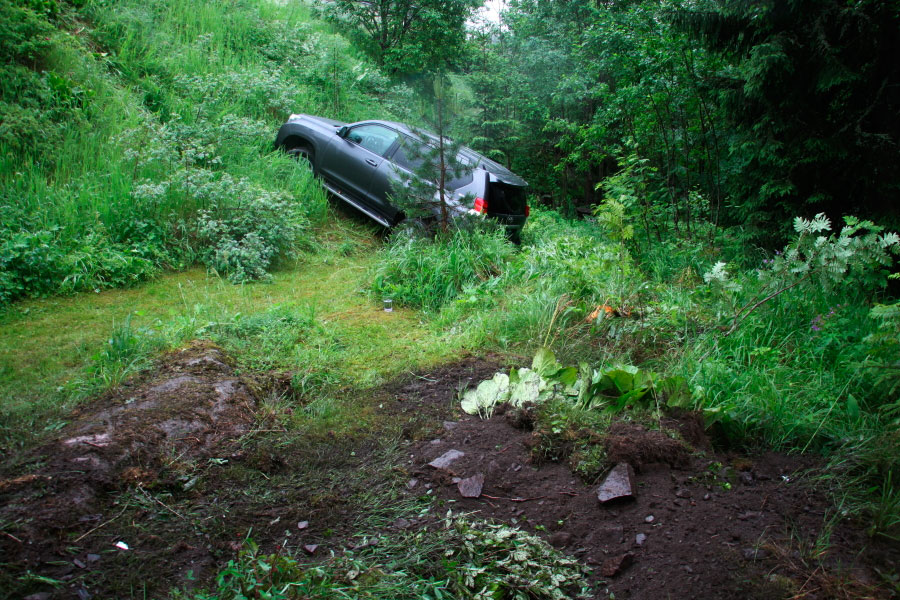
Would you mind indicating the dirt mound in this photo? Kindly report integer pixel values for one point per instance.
(701, 526)
(136, 435)
(631, 443)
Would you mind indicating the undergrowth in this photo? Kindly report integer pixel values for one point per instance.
(136, 137)
(460, 558)
(786, 352)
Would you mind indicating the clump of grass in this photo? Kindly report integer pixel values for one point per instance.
(429, 274)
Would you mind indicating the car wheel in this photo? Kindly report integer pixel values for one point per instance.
(302, 153)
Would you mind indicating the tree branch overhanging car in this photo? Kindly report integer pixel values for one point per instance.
(361, 163)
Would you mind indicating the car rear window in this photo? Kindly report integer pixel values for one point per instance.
(411, 157)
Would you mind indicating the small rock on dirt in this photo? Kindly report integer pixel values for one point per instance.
(470, 487)
(302, 524)
(649, 519)
(618, 485)
(614, 565)
(640, 538)
(610, 534)
(683, 493)
(78, 563)
(412, 483)
(448, 425)
(446, 459)
(310, 548)
(93, 557)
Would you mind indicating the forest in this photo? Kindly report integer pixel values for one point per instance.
(203, 396)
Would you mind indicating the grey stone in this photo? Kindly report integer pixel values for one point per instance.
(470, 487)
(412, 483)
(683, 493)
(616, 564)
(446, 459)
(310, 548)
(448, 425)
(618, 485)
(649, 519)
(560, 539)
(640, 538)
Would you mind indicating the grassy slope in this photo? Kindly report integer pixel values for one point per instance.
(45, 344)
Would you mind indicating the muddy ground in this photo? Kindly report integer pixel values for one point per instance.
(186, 461)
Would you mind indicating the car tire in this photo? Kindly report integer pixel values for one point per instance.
(301, 153)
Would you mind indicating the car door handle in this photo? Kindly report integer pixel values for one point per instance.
(371, 162)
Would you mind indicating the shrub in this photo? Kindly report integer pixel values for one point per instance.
(420, 272)
(244, 238)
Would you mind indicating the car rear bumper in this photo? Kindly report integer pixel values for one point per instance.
(512, 222)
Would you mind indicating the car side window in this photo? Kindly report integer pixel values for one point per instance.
(409, 155)
(373, 138)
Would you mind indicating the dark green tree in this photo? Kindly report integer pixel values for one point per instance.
(815, 98)
(405, 36)
(434, 160)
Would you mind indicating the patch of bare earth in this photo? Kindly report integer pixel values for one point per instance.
(135, 438)
(177, 465)
(700, 524)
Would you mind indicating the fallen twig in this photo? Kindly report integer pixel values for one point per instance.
(163, 504)
(102, 525)
(6, 533)
(513, 499)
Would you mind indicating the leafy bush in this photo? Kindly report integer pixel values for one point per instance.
(420, 272)
(243, 240)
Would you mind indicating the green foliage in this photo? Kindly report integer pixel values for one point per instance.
(243, 239)
(405, 36)
(544, 381)
(24, 33)
(256, 575)
(420, 272)
(614, 389)
(806, 96)
(460, 559)
(127, 351)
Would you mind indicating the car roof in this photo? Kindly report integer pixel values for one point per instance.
(481, 161)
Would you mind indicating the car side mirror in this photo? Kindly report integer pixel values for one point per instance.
(342, 132)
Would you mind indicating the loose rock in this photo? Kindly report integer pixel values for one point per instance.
(618, 485)
(310, 548)
(470, 487)
(640, 538)
(446, 459)
(616, 564)
(560, 539)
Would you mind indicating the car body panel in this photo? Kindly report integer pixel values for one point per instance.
(363, 162)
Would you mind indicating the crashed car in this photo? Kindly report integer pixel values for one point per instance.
(363, 163)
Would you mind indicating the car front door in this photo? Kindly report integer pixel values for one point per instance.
(355, 163)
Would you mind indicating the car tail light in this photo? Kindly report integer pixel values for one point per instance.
(527, 210)
(480, 205)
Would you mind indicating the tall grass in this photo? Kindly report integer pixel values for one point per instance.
(139, 100)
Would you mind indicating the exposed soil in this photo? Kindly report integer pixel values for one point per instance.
(702, 525)
(180, 465)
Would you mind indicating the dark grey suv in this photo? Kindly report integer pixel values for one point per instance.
(361, 163)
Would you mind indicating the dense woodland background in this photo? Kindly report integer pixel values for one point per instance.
(718, 178)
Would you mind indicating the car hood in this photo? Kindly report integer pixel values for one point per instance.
(319, 120)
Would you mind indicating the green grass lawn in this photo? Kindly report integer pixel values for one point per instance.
(46, 344)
